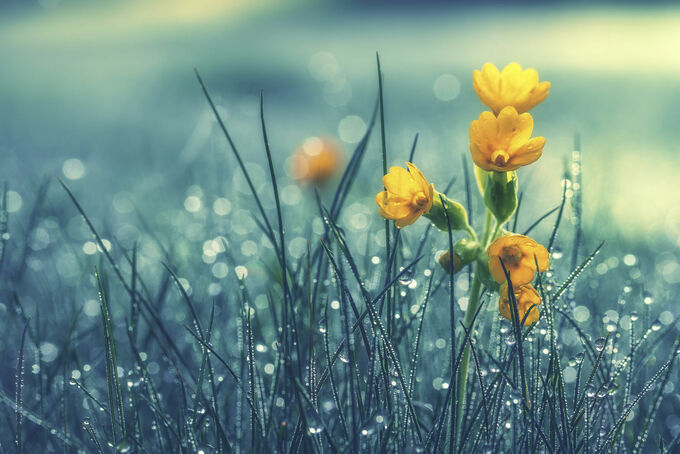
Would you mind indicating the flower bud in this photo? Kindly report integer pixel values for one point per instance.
(500, 194)
(464, 252)
(456, 213)
(445, 262)
(480, 176)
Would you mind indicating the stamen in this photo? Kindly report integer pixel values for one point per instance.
(420, 199)
(500, 158)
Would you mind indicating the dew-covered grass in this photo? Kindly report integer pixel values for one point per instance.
(176, 329)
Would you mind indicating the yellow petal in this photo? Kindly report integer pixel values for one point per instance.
(418, 177)
(529, 152)
(520, 275)
(542, 256)
(408, 220)
(496, 269)
(398, 181)
(508, 122)
(525, 126)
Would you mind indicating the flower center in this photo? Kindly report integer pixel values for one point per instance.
(512, 255)
(500, 158)
(420, 199)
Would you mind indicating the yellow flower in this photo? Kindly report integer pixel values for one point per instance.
(504, 143)
(526, 296)
(406, 197)
(517, 253)
(316, 160)
(511, 87)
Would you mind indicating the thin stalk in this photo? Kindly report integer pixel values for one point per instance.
(473, 303)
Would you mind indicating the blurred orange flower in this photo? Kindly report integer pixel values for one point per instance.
(407, 195)
(526, 296)
(511, 87)
(504, 143)
(316, 160)
(517, 253)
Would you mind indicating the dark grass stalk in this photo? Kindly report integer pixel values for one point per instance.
(32, 222)
(485, 403)
(231, 371)
(152, 397)
(251, 375)
(556, 228)
(456, 361)
(80, 386)
(351, 367)
(357, 323)
(346, 296)
(581, 401)
(413, 148)
(376, 322)
(577, 199)
(576, 390)
(517, 329)
(629, 373)
(269, 231)
(614, 431)
(4, 222)
(414, 357)
(334, 388)
(303, 397)
(93, 436)
(134, 306)
(19, 394)
(349, 176)
(39, 421)
(574, 274)
(167, 339)
(538, 221)
(113, 383)
(656, 402)
(199, 330)
(383, 148)
(372, 387)
(555, 369)
(591, 354)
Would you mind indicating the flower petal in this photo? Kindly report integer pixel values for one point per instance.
(398, 181)
(527, 153)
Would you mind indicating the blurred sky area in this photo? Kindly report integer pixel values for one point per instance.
(108, 88)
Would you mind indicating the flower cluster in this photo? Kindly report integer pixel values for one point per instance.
(500, 143)
(501, 140)
(520, 257)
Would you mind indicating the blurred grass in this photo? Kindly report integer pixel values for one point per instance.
(112, 85)
(122, 98)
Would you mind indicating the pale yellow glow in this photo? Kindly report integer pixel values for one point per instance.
(87, 24)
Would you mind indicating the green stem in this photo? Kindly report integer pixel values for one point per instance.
(473, 303)
(471, 233)
(487, 224)
(495, 232)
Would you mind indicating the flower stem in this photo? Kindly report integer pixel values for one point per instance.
(473, 303)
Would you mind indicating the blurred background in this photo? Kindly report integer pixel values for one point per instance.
(104, 95)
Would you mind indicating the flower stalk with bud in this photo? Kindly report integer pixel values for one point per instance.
(501, 142)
